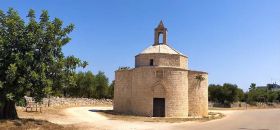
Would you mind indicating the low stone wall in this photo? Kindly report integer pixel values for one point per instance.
(65, 102)
(245, 105)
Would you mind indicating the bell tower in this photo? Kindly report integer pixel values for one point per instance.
(160, 30)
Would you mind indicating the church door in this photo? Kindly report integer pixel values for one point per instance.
(159, 107)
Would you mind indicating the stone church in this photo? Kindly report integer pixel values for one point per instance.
(161, 84)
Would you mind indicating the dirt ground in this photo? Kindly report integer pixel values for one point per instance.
(26, 124)
(91, 118)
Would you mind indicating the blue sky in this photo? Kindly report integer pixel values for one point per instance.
(235, 41)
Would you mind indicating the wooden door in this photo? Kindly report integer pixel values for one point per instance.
(159, 107)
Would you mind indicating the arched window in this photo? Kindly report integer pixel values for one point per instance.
(160, 38)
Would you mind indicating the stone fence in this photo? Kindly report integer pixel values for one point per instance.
(245, 105)
(69, 102)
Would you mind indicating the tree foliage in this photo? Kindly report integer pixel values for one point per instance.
(31, 58)
(263, 94)
(229, 93)
(89, 85)
(226, 94)
(252, 86)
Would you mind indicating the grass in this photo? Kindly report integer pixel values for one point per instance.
(25, 124)
(115, 116)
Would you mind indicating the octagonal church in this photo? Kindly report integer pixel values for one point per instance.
(161, 84)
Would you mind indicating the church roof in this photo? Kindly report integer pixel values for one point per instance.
(160, 48)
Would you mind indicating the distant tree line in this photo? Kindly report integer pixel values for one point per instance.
(88, 85)
(225, 94)
(262, 94)
(230, 93)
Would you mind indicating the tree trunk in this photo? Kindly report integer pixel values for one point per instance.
(8, 110)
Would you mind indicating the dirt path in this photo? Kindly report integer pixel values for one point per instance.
(254, 119)
(88, 118)
(79, 115)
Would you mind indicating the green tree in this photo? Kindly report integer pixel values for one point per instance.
(215, 93)
(89, 85)
(263, 94)
(101, 82)
(252, 86)
(230, 93)
(241, 95)
(272, 96)
(258, 95)
(86, 85)
(111, 90)
(226, 94)
(31, 59)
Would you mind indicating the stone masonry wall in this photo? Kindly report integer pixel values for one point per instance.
(198, 94)
(153, 82)
(142, 101)
(161, 60)
(68, 102)
(176, 85)
(122, 91)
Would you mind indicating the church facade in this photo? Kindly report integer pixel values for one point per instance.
(161, 84)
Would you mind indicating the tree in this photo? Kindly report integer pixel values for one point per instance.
(111, 90)
(272, 96)
(252, 86)
(31, 59)
(226, 94)
(101, 82)
(230, 93)
(85, 85)
(215, 93)
(263, 94)
(257, 95)
(89, 85)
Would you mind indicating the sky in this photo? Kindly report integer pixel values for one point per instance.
(235, 41)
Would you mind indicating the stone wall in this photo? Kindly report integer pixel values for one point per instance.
(142, 81)
(176, 83)
(198, 94)
(68, 102)
(148, 83)
(122, 91)
(162, 60)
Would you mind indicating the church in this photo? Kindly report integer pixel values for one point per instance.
(161, 84)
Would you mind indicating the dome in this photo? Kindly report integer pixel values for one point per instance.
(160, 48)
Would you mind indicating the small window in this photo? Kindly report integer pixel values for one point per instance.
(151, 62)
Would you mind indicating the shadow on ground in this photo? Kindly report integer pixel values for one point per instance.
(128, 117)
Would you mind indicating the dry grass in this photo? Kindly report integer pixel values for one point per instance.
(27, 124)
(35, 120)
(40, 115)
(115, 116)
